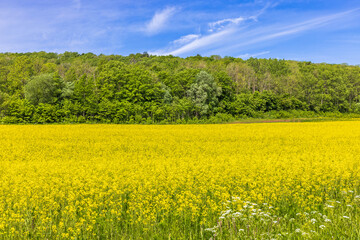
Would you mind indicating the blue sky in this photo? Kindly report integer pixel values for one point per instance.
(316, 30)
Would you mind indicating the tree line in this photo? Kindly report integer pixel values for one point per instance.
(45, 87)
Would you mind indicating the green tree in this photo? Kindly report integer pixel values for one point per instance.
(44, 88)
(19, 74)
(204, 93)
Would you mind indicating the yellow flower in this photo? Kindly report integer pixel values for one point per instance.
(99, 180)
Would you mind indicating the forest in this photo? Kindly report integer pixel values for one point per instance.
(43, 87)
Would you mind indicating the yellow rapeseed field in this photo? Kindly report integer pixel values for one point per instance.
(271, 180)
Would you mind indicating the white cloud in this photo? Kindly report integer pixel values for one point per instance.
(220, 30)
(249, 55)
(186, 39)
(202, 42)
(271, 33)
(221, 24)
(232, 37)
(263, 10)
(159, 20)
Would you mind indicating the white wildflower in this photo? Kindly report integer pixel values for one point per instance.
(210, 230)
(237, 214)
(322, 226)
(227, 212)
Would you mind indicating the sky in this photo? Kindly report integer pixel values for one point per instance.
(305, 30)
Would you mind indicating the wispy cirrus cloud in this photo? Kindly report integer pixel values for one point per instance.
(271, 32)
(219, 30)
(221, 24)
(249, 55)
(197, 44)
(228, 22)
(235, 36)
(159, 20)
(186, 39)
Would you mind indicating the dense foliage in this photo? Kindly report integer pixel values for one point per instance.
(70, 87)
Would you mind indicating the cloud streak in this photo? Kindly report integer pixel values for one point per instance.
(159, 20)
(249, 55)
(186, 39)
(218, 25)
(270, 33)
(198, 43)
(232, 37)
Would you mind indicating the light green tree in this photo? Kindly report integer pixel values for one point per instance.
(204, 93)
(44, 88)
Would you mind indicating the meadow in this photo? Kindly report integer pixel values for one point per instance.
(228, 181)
